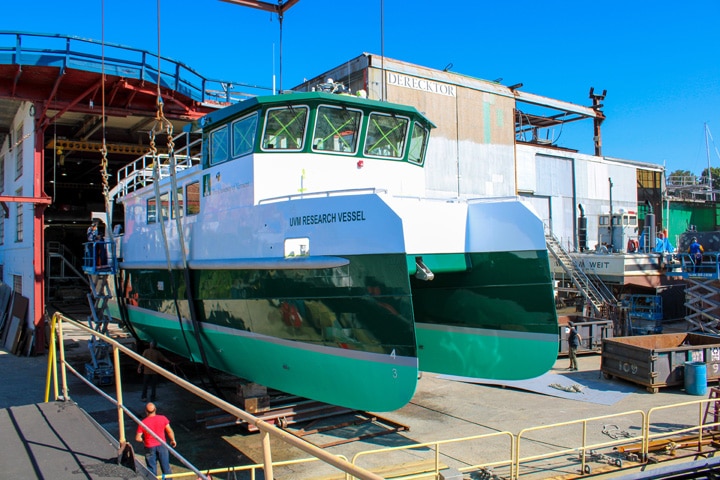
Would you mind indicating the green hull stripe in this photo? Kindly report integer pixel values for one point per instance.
(340, 377)
(439, 262)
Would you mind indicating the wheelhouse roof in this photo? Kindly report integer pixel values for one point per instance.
(302, 98)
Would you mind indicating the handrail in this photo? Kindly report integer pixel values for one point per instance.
(127, 61)
(266, 429)
(699, 427)
(139, 173)
(245, 468)
(584, 447)
(437, 445)
(709, 266)
(329, 193)
(588, 288)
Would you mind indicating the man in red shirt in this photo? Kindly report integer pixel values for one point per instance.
(154, 450)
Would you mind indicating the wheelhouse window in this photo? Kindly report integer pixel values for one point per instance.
(19, 225)
(243, 132)
(165, 205)
(192, 198)
(386, 136)
(19, 152)
(285, 128)
(418, 144)
(336, 130)
(219, 152)
(180, 204)
(151, 210)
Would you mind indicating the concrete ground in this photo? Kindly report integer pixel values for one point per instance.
(441, 409)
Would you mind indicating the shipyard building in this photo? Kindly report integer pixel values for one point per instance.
(488, 144)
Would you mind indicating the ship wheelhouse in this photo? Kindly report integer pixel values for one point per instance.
(317, 123)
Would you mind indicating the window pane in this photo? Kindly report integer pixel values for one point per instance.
(180, 204)
(244, 135)
(192, 196)
(165, 205)
(336, 130)
(219, 146)
(151, 210)
(416, 153)
(285, 128)
(19, 140)
(386, 136)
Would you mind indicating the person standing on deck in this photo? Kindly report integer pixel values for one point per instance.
(154, 450)
(574, 340)
(150, 377)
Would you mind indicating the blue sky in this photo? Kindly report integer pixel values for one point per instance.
(659, 61)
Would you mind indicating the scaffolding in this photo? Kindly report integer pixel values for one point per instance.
(702, 296)
(99, 262)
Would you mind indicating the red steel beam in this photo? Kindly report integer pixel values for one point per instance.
(39, 239)
(278, 8)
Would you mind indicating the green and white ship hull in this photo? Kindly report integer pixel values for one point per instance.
(342, 296)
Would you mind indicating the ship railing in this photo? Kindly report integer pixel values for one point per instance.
(140, 172)
(59, 386)
(99, 258)
(325, 194)
(708, 267)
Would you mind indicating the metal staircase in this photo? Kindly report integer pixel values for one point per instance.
(595, 292)
(61, 273)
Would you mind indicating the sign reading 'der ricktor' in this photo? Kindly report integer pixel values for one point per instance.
(420, 84)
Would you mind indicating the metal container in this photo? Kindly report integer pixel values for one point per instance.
(659, 360)
(592, 331)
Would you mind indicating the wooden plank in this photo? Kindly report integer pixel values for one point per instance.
(11, 335)
(5, 295)
(18, 315)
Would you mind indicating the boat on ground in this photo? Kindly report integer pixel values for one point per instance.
(292, 244)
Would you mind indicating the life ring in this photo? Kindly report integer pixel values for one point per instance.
(633, 245)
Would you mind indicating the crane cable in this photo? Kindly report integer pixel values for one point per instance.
(162, 124)
(122, 306)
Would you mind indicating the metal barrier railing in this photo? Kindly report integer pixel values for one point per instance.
(701, 426)
(707, 266)
(253, 469)
(585, 447)
(266, 429)
(435, 446)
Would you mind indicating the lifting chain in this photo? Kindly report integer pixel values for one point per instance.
(161, 124)
(104, 173)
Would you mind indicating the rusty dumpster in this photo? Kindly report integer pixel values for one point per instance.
(656, 361)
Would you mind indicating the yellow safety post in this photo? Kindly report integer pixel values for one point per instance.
(63, 370)
(51, 358)
(267, 455)
(118, 392)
